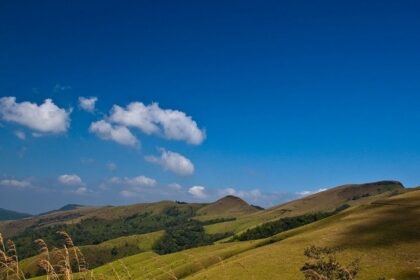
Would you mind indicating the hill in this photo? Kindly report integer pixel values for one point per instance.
(328, 200)
(228, 206)
(367, 231)
(66, 207)
(12, 215)
(384, 234)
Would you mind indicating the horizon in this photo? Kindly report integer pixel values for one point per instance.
(217, 198)
(104, 103)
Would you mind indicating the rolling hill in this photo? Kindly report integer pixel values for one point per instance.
(366, 228)
(367, 231)
(12, 215)
(328, 200)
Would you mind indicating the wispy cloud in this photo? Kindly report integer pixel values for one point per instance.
(58, 88)
(134, 186)
(306, 193)
(14, 183)
(20, 134)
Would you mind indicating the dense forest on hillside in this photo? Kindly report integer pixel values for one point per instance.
(283, 224)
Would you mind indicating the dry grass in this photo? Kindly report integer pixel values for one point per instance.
(70, 264)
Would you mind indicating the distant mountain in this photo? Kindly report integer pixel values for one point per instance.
(66, 207)
(12, 215)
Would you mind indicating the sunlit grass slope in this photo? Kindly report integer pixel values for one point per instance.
(150, 265)
(385, 235)
(105, 252)
(327, 200)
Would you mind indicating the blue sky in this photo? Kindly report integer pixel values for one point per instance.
(272, 99)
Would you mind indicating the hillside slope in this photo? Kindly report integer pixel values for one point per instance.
(12, 215)
(384, 234)
(328, 200)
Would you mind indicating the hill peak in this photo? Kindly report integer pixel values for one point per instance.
(228, 205)
(232, 198)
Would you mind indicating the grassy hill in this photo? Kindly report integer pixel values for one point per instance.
(328, 200)
(384, 234)
(380, 227)
(227, 207)
(11, 215)
(94, 225)
(66, 207)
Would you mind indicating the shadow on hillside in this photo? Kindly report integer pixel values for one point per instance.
(384, 225)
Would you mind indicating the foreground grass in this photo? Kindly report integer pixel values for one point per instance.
(108, 251)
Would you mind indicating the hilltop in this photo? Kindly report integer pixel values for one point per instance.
(227, 206)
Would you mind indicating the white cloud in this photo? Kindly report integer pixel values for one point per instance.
(116, 133)
(138, 181)
(81, 190)
(70, 180)
(87, 103)
(198, 191)
(151, 119)
(141, 181)
(44, 118)
(20, 134)
(227, 191)
(174, 162)
(253, 194)
(136, 185)
(13, 183)
(306, 193)
(128, 193)
(175, 186)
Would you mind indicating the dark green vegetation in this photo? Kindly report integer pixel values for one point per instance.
(283, 224)
(95, 231)
(11, 215)
(188, 234)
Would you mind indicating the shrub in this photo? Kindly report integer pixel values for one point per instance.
(323, 265)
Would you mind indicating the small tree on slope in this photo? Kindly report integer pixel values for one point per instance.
(323, 265)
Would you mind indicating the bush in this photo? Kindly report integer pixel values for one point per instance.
(323, 265)
(283, 224)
